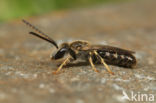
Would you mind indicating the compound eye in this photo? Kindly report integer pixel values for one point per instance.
(60, 53)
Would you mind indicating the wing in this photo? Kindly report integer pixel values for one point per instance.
(111, 49)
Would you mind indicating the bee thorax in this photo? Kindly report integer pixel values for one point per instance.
(80, 45)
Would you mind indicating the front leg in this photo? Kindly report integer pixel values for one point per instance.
(60, 67)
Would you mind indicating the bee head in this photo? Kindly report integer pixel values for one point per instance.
(61, 52)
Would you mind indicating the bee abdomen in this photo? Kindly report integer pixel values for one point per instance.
(124, 60)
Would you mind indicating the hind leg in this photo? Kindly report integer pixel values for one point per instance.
(103, 62)
(91, 62)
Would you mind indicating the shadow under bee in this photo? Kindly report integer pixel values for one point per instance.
(78, 64)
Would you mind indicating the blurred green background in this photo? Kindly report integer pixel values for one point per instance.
(11, 9)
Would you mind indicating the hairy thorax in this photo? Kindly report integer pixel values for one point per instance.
(80, 45)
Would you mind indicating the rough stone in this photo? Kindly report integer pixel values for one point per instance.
(26, 69)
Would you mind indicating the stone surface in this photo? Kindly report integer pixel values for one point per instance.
(26, 69)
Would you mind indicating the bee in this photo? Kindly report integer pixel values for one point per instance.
(83, 50)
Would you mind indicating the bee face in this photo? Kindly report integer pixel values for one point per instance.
(61, 52)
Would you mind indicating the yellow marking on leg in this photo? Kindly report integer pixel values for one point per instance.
(91, 63)
(60, 67)
(103, 62)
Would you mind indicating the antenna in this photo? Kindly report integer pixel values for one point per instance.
(41, 34)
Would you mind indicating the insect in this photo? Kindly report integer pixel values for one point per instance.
(83, 50)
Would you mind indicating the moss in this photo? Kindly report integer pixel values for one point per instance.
(10, 9)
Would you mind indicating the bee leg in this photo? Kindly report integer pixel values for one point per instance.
(60, 67)
(91, 63)
(103, 62)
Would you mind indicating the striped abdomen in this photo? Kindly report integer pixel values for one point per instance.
(124, 59)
